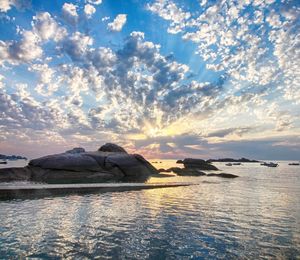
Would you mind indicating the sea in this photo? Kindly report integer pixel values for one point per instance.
(255, 216)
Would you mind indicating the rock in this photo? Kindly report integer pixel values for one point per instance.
(15, 174)
(67, 161)
(186, 172)
(198, 164)
(223, 175)
(65, 177)
(83, 167)
(179, 161)
(112, 148)
(76, 150)
(164, 170)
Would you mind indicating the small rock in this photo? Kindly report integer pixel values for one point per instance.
(223, 175)
(164, 170)
(186, 172)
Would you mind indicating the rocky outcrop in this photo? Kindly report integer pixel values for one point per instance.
(76, 150)
(112, 148)
(188, 172)
(198, 164)
(184, 171)
(222, 175)
(110, 163)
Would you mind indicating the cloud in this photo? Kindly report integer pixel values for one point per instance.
(47, 28)
(170, 12)
(69, 13)
(94, 2)
(25, 50)
(118, 23)
(237, 38)
(77, 45)
(29, 47)
(64, 85)
(6, 5)
(231, 131)
(89, 10)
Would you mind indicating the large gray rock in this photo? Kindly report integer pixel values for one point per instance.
(67, 161)
(84, 167)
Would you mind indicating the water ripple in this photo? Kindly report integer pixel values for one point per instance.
(254, 216)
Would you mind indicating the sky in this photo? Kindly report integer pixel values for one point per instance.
(163, 78)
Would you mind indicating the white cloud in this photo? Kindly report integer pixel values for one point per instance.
(70, 14)
(6, 5)
(47, 28)
(94, 2)
(89, 10)
(118, 23)
(105, 18)
(25, 50)
(169, 11)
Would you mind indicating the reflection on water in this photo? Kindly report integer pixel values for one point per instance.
(256, 215)
(16, 163)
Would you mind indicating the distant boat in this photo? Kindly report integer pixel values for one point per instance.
(270, 164)
(228, 164)
(237, 163)
(3, 162)
(294, 163)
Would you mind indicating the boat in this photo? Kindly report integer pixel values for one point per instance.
(228, 164)
(4, 162)
(270, 164)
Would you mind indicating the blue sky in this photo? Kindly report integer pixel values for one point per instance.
(167, 79)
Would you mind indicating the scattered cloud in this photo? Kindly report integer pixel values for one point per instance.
(118, 23)
(89, 10)
(6, 5)
(69, 12)
(66, 83)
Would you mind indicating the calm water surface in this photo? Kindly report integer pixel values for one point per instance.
(254, 216)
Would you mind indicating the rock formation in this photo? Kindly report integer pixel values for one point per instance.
(199, 164)
(110, 163)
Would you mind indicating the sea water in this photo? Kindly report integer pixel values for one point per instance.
(254, 216)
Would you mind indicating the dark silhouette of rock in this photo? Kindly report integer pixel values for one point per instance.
(164, 170)
(179, 161)
(198, 164)
(223, 175)
(84, 167)
(186, 172)
(112, 148)
(76, 150)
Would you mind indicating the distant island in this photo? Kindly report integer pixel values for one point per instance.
(12, 157)
(242, 160)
